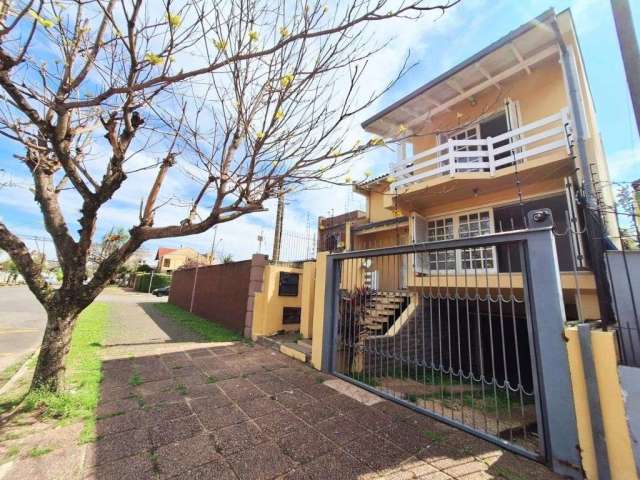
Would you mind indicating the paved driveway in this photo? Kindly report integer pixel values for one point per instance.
(236, 411)
(175, 407)
(22, 322)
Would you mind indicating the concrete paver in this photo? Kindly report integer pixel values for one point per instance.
(260, 416)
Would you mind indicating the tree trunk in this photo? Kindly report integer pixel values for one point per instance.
(50, 367)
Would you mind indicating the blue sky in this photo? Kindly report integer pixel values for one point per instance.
(437, 45)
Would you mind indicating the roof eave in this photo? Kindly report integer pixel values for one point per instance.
(546, 15)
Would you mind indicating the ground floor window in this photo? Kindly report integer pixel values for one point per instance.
(465, 225)
(441, 229)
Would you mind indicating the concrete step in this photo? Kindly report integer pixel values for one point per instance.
(380, 311)
(297, 351)
(305, 346)
(395, 293)
(388, 300)
(373, 326)
(380, 320)
(289, 345)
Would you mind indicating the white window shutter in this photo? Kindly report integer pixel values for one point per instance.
(420, 264)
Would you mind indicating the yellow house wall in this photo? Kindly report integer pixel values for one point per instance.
(179, 257)
(308, 295)
(509, 196)
(619, 450)
(376, 210)
(389, 268)
(267, 314)
(540, 94)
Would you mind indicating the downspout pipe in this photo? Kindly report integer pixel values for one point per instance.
(595, 228)
(571, 77)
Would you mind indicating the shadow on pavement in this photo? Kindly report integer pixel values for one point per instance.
(246, 412)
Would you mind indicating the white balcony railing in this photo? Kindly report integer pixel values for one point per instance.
(487, 154)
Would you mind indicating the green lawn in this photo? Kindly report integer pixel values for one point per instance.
(209, 330)
(83, 376)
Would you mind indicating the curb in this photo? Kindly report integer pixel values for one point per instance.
(16, 376)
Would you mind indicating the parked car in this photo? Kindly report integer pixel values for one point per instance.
(161, 292)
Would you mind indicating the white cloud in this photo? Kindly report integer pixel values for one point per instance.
(623, 164)
(239, 237)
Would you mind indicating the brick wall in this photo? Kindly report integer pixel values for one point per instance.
(221, 292)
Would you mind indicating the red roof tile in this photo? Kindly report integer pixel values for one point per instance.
(162, 251)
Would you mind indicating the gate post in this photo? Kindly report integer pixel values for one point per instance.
(546, 336)
(330, 320)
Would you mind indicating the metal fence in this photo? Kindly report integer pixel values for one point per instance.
(450, 329)
(622, 267)
(294, 246)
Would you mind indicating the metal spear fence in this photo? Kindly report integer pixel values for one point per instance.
(453, 330)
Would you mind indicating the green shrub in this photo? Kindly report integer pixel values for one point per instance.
(159, 280)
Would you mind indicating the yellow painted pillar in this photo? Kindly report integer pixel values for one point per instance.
(581, 404)
(347, 236)
(616, 430)
(308, 294)
(318, 310)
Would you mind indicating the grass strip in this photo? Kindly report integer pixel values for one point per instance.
(12, 369)
(83, 375)
(209, 330)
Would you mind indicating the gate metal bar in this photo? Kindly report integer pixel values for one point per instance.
(545, 310)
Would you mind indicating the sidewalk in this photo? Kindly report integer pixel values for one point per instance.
(173, 407)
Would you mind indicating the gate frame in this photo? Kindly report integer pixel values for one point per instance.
(545, 306)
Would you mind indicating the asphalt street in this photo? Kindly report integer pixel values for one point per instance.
(22, 319)
(22, 322)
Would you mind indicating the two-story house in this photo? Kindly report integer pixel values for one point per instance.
(170, 259)
(507, 131)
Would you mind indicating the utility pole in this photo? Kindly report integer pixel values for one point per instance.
(629, 49)
(260, 240)
(277, 234)
(213, 244)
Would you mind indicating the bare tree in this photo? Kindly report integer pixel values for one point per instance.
(245, 98)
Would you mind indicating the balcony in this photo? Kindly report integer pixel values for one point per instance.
(529, 146)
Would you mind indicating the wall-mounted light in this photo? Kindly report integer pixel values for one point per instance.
(476, 190)
(473, 101)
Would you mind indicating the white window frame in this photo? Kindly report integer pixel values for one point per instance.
(443, 138)
(455, 217)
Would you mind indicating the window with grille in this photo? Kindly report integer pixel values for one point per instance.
(441, 229)
(461, 226)
(473, 225)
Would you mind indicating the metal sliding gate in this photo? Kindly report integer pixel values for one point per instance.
(469, 331)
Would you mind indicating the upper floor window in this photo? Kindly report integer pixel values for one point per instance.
(166, 262)
(468, 139)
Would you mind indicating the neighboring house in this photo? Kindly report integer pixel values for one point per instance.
(170, 259)
(485, 142)
(333, 231)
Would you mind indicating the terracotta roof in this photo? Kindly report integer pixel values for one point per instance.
(373, 180)
(162, 251)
